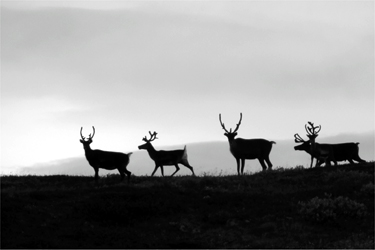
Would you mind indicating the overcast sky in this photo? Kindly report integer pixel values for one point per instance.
(127, 67)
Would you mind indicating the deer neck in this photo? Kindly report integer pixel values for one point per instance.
(231, 139)
(151, 150)
(314, 148)
(232, 145)
(87, 149)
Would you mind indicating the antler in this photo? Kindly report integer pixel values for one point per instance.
(237, 126)
(83, 138)
(93, 129)
(152, 137)
(222, 124)
(90, 136)
(298, 138)
(311, 131)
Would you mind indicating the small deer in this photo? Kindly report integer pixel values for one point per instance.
(243, 149)
(162, 157)
(322, 152)
(340, 152)
(105, 159)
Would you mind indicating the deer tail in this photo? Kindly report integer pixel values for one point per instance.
(184, 154)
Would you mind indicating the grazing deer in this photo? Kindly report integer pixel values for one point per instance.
(340, 152)
(319, 151)
(243, 149)
(306, 146)
(161, 157)
(105, 159)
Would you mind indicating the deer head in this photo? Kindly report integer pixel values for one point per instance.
(148, 141)
(88, 141)
(305, 144)
(229, 133)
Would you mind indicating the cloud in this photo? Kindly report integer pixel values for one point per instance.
(173, 67)
(165, 52)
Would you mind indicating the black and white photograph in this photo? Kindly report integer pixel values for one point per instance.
(187, 124)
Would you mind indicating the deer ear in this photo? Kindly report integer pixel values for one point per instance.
(81, 141)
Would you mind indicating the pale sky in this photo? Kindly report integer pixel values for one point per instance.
(127, 67)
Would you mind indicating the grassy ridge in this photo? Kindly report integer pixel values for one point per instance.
(273, 209)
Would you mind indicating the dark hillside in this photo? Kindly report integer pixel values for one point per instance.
(328, 207)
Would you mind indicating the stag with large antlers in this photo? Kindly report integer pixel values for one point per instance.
(164, 158)
(318, 151)
(105, 159)
(326, 152)
(322, 152)
(243, 149)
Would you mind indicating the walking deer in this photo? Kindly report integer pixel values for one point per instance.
(338, 152)
(105, 159)
(243, 149)
(165, 158)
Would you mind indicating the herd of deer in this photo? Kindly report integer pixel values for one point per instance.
(241, 149)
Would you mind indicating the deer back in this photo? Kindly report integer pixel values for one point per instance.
(168, 157)
(345, 151)
(107, 158)
(250, 148)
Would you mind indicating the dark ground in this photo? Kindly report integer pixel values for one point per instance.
(263, 210)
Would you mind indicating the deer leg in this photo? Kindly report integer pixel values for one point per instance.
(162, 170)
(261, 161)
(96, 174)
(329, 159)
(156, 167)
(186, 164)
(312, 159)
(268, 162)
(242, 165)
(320, 162)
(122, 175)
(177, 168)
(357, 158)
(238, 166)
(121, 171)
(317, 161)
(128, 173)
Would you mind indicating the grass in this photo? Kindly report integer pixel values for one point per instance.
(263, 210)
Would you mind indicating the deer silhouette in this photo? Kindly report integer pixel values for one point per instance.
(163, 157)
(243, 149)
(326, 152)
(105, 159)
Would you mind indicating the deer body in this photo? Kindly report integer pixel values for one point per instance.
(340, 152)
(316, 150)
(346, 151)
(164, 157)
(105, 159)
(322, 153)
(260, 148)
(243, 149)
(327, 152)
